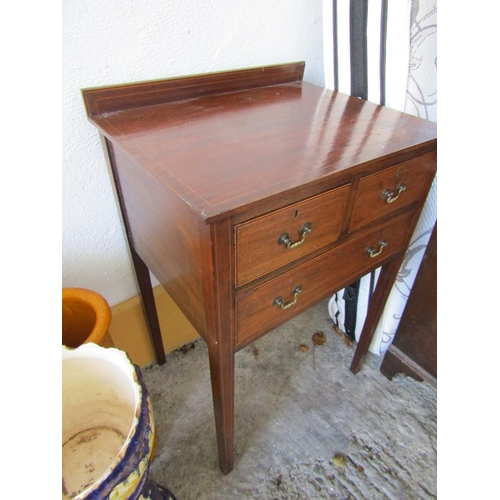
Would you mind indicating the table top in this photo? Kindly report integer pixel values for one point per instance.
(223, 151)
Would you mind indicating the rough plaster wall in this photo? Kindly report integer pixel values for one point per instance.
(120, 41)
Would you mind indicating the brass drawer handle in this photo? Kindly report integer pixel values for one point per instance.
(372, 253)
(280, 302)
(285, 239)
(392, 197)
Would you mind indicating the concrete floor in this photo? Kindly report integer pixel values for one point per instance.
(305, 426)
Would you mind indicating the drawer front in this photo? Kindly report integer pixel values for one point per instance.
(384, 192)
(275, 239)
(278, 300)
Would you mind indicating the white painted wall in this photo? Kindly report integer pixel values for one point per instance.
(120, 41)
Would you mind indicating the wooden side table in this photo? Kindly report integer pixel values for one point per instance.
(252, 195)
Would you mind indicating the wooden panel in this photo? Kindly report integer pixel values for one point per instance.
(133, 95)
(416, 335)
(255, 311)
(395, 361)
(258, 250)
(165, 234)
(370, 204)
(130, 334)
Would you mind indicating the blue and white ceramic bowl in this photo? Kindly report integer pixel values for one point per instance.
(108, 427)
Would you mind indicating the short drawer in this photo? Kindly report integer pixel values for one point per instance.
(278, 300)
(384, 192)
(270, 241)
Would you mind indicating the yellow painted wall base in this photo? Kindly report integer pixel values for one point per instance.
(130, 334)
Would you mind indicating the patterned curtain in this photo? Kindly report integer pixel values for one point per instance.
(383, 51)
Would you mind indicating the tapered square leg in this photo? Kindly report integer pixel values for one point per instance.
(149, 305)
(222, 378)
(383, 288)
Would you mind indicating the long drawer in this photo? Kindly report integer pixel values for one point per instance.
(283, 236)
(387, 191)
(278, 300)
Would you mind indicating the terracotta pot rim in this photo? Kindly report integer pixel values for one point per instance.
(100, 307)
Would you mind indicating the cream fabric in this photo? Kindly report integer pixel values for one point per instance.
(410, 86)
